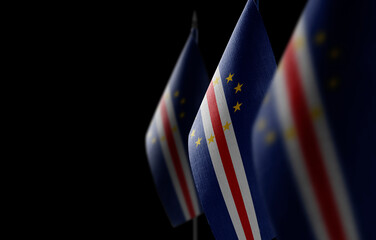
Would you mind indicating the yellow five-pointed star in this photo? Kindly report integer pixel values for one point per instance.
(193, 133)
(226, 126)
(316, 112)
(320, 37)
(334, 53)
(237, 106)
(229, 78)
(148, 135)
(270, 137)
(290, 133)
(211, 139)
(266, 98)
(298, 42)
(198, 142)
(215, 81)
(261, 124)
(238, 88)
(333, 83)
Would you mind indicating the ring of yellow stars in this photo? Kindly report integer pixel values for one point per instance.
(237, 106)
(211, 139)
(320, 37)
(198, 142)
(182, 101)
(229, 78)
(193, 133)
(182, 114)
(176, 94)
(226, 126)
(153, 140)
(215, 82)
(270, 137)
(174, 128)
(238, 88)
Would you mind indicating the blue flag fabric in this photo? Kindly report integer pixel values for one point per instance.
(220, 138)
(315, 136)
(166, 137)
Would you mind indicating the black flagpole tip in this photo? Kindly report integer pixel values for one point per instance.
(194, 20)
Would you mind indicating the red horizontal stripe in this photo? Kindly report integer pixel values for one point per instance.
(175, 158)
(313, 158)
(227, 162)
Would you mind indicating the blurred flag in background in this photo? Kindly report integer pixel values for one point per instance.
(166, 138)
(314, 139)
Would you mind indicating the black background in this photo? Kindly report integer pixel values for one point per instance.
(125, 55)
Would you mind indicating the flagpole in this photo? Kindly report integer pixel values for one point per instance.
(257, 4)
(195, 229)
(195, 27)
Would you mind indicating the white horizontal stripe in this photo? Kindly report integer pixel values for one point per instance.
(182, 154)
(296, 157)
(323, 135)
(169, 163)
(219, 170)
(236, 158)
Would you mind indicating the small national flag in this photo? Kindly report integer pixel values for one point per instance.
(220, 138)
(166, 138)
(314, 139)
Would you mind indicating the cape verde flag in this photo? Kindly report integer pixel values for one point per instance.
(220, 138)
(166, 138)
(315, 136)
